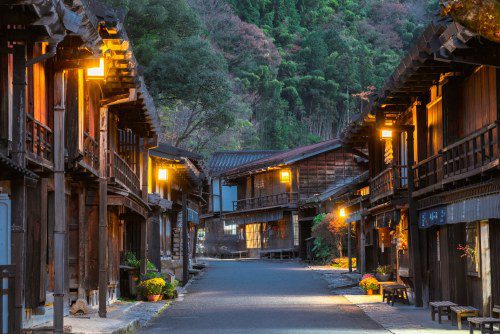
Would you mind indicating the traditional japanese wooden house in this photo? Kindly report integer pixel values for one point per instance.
(269, 191)
(345, 200)
(220, 238)
(433, 140)
(77, 124)
(175, 184)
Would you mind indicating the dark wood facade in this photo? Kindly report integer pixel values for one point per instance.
(436, 178)
(76, 149)
(269, 190)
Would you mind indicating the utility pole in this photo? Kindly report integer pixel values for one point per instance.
(60, 257)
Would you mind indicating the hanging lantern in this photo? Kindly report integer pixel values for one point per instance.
(96, 73)
(285, 176)
(162, 174)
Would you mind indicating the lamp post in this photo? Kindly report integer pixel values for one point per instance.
(386, 132)
(343, 215)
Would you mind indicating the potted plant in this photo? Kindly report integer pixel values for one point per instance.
(369, 284)
(152, 288)
(133, 273)
(384, 273)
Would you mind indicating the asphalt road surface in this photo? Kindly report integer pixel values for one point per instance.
(261, 297)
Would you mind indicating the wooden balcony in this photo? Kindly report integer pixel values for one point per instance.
(281, 199)
(388, 183)
(90, 153)
(121, 173)
(39, 141)
(428, 173)
(472, 155)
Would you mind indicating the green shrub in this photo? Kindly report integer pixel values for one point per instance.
(131, 260)
(169, 289)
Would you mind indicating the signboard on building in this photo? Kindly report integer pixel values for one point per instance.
(431, 217)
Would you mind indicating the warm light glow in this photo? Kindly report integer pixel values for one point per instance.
(386, 134)
(342, 212)
(285, 176)
(96, 72)
(162, 174)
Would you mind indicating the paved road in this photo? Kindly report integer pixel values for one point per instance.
(261, 297)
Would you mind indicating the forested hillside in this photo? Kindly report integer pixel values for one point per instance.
(265, 74)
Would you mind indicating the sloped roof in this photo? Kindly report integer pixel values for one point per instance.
(190, 161)
(224, 160)
(445, 46)
(285, 158)
(340, 188)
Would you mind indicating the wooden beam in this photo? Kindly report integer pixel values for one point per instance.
(18, 214)
(103, 211)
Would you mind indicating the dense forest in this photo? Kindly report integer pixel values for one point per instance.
(267, 74)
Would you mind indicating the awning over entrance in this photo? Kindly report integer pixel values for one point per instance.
(261, 217)
(468, 210)
(387, 219)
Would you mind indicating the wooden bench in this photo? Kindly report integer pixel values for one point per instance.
(486, 324)
(277, 253)
(463, 312)
(239, 254)
(395, 292)
(441, 308)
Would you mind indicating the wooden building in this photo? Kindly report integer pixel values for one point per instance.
(76, 124)
(175, 183)
(220, 238)
(433, 139)
(347, 199)
(265, 213)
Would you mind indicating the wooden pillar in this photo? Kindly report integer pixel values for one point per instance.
(349, 246)
(144, 224)
(82, 240)
(362, 247)
(485, 256)
(414, 244)
(185, 246)
(60, 267)
(144, 244)
(103, 212)
(220, 200)
(18, 214)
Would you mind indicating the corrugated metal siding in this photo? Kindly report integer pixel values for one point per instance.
(480, 208)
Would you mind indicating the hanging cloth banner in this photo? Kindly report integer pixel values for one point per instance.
(431, 217)
(387, 219)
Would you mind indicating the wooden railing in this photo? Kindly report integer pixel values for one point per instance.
(7, 285)
(428, 172)
(471, 155)
(38, 138)
(123, 174)
(265, 201)
(90, 151)
(388, 182)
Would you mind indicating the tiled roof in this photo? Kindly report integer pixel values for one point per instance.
(286, 157)
(224, 160)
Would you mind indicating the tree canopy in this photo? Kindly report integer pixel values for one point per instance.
(268, 74)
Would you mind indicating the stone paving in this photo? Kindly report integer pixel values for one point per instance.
(397, 319)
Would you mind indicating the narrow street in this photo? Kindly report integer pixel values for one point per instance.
(261, 297)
